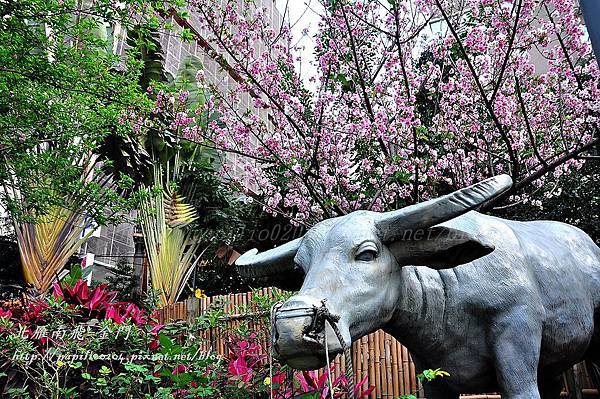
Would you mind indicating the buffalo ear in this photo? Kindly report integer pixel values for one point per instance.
(438, 247)
(274, 267)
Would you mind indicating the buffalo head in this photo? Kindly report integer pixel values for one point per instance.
(351, 263)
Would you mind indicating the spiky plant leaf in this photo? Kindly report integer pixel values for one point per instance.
(177, 212)
(47, 246)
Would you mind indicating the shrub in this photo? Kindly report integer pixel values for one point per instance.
(81, 342)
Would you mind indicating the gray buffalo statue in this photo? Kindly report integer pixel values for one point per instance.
(503, 306)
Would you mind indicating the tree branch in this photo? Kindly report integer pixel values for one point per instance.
(527, 125)
(519, 185)
(488, 105)
(361, 80)
(415, 137)
(508, 50)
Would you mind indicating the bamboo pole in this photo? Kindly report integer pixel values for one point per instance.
(377, 362)
(384, 361)
(405, 372)
(365, 357)
(395, 369)
(371, 358)
(412, 373)
(381, 358)
(356, 363)
(388, 366)
(235, 309)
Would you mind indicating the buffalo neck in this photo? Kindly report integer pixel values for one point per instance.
(418, 320)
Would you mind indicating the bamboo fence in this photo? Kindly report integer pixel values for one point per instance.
(379, 356)
(385, 361)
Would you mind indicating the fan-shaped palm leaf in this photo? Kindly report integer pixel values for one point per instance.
(171, 246)
(46, 246)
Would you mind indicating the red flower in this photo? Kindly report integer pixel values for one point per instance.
(136, 314)
(239, 368)
(181, 368)
(244, 355)
(132, 312)
(78, 294)
(58, 292)
(34, 310)
(278, 379)
(5, 313)
(154, 344)
(100, 298)
(96, 300)
(113, 314)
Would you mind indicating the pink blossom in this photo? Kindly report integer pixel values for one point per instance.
(344, 144)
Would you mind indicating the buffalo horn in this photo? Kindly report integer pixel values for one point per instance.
(395, 224)
(276, 261)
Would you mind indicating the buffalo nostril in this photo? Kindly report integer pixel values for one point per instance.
(312, 339)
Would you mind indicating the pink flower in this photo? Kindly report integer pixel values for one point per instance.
(135, 314)
(308, 150)
(244, 355)
(113, 314)
(132, 312)
(239, 368)
(57, 291)
(155, 329)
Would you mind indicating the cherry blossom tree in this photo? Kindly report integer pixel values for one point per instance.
(411, 99)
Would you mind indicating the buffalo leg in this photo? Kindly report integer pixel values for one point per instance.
(516, 349)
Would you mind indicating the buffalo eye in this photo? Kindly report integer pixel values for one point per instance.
(366, 256)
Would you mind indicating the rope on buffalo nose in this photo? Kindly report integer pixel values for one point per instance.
(274, 309)
(328, 370)
(319, 316)
(322, 314)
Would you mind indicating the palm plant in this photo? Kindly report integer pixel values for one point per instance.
(46, 246)
(172, 247)
(172, 244)
(48, 238)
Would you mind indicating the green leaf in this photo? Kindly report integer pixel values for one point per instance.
(186, 34)
(430, 374)
(165, 341)
(138, 368)
(152, 378)
(74, 275)
(76, 365)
